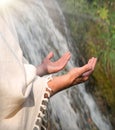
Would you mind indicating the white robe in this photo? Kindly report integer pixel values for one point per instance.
(21, 91)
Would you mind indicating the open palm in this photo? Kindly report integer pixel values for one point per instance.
(52, 67)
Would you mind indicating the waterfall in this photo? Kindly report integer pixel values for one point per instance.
(72, 109)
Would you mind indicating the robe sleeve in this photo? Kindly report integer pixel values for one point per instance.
(12, 75)
(20, 89)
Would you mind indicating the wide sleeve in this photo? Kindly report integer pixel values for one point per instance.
(20, 89)
(12, 76)
(37, 93)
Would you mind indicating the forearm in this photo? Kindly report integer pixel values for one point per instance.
(59, 83)
(74, 76)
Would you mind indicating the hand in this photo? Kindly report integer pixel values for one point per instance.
(81, 74)
(74, 76)
(48, 67)
(91, 62)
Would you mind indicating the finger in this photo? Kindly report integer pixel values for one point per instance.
(87, 73)
(81, 80)
(89, 60)
(64, 58)
(94, 63)
(50, 55)
(85, 78)
(61, 63)
(66, 55)
(90, 71)
(85, 69)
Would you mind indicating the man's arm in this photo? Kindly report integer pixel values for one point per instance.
(73, 77)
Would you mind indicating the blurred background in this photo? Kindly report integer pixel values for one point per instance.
(92, 28)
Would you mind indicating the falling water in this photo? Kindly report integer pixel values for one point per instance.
(72, 109)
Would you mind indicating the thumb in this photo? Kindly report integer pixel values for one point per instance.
(50, 55)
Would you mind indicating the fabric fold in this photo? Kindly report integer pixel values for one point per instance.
(21, 91)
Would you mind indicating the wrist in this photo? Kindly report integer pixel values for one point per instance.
(69, 79)
(59, 83)
(41, 70)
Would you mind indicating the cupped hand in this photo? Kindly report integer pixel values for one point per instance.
(91, 62)
(52, 67)
(74, 76)
(80, 74)
(48, 66)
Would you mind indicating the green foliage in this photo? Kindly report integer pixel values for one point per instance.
(92, 26)
(103, 13)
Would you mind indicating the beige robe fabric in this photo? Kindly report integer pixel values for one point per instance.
(21, 91)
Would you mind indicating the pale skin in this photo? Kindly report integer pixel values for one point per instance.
(74, 76)
(48, 67)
